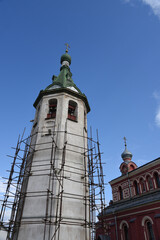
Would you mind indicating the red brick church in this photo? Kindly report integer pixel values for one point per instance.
(134, 212)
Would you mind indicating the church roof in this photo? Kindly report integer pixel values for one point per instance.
(64, 79)
(63, 82)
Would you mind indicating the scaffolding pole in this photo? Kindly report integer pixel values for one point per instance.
(55, 168)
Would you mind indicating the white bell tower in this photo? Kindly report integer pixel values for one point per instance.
(54, 203)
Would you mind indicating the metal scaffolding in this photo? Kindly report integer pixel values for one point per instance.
(21, 169)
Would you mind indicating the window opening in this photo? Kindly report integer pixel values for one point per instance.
(136, 187)
(150, 232)
(150, 183)
(143, 186)
(125, 232)
(52, 108)
(120, 193)
(49, 131)
(72, 111)
(156, 177)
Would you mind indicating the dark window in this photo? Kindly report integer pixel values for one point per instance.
(150, 183)
(125, 232)
(72, 111)
(52, 108)
(136, 187)
(150, 230)
(156, 177)
(120, 193)
(143, 186)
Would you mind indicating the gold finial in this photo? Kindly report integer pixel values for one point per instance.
(125, 141)
(67, 46)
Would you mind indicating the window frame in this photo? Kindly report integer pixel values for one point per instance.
(142, 185)
(136, 187)
(149, 183)
(156, 179)
(120, 193)
(72, 111)
(52, 108)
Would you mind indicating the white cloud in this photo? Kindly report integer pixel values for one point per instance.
(157, 117)
(3, 234)
(155, 6)
(8, 210)
(156, 96)
(2, 187)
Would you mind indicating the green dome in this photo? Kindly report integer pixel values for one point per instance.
(66, 57)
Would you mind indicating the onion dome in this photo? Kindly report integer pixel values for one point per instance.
(66, 58)
(126, 154)
(127, 165)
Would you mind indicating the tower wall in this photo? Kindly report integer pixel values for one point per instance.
(56, 201)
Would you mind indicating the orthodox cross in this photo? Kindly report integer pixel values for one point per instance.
(125, 141)
(67, 46)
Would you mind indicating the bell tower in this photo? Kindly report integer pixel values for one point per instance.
(54, 203)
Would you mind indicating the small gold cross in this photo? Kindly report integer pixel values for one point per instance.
(67, 46)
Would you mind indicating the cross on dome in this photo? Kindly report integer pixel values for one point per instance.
(125, 141)
(67, 46)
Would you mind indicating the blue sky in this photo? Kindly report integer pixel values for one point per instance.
(115, 62)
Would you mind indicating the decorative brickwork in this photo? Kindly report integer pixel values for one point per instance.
(137, 215)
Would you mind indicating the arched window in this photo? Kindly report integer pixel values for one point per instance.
(124, 227)
(147, 224)
(125, 232)
(131, 167)
(143, 186)
(72, 111)
(149, 230)
(120, 193)
(157, 181)
(52, 108)
(136, 188)
(150, 183)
